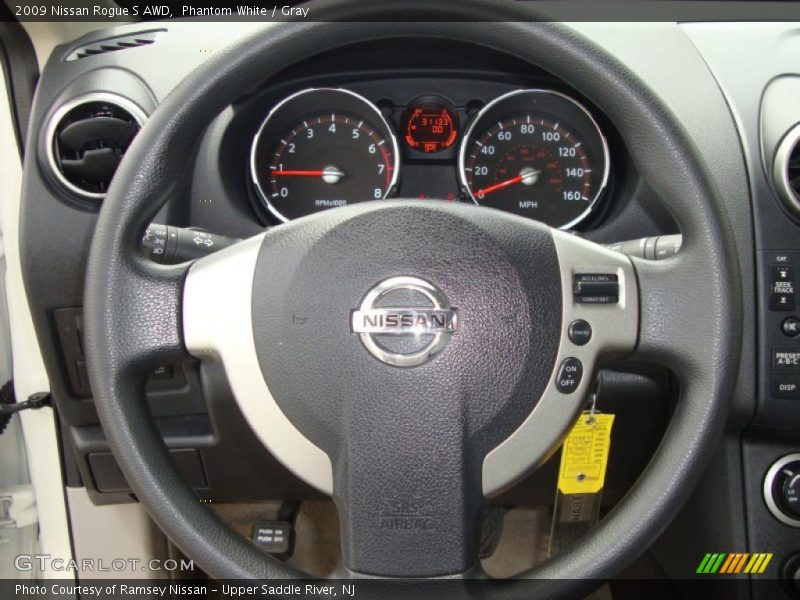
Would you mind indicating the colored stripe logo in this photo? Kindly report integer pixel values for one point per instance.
(733, 563)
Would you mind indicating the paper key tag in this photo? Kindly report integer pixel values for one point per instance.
(584, 456)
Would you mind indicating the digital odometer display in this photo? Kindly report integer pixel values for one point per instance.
(538, 154)
(430, 127)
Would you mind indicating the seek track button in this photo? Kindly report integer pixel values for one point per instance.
(780, 274)
(782, 287)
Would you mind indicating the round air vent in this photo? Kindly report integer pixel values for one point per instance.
(87, 138)
(786, 170)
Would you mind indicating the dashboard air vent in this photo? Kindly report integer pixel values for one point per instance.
(87, 139)
(786, 170)
(133, 40)
(793, 171)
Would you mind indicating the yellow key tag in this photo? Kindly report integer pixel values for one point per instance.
(584, 456)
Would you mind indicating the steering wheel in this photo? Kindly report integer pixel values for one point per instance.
(298, 316)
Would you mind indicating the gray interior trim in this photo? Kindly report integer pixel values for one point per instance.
(218, 325)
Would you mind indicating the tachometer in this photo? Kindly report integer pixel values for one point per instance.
(536, 153)
(323, 148)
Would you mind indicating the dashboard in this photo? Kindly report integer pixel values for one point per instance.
(441, 122)
(533, 152)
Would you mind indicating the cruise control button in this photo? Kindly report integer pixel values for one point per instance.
(596, 288)
(791, 326)
(580, 332)
(569, 375)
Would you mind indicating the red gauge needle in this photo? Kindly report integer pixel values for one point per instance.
(527, 176)
(499, 186)
(319, 173)
(328, 174)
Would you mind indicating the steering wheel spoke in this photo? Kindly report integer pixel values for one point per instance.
(145, 318)
(218, 325)
(416, 511)
(676, 323)
(598, 324)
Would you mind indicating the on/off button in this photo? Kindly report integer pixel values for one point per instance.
(569, 375)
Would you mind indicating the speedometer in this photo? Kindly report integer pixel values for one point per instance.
(320, 149)
(535, 153)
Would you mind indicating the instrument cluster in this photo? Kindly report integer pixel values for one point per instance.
(537, 153)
